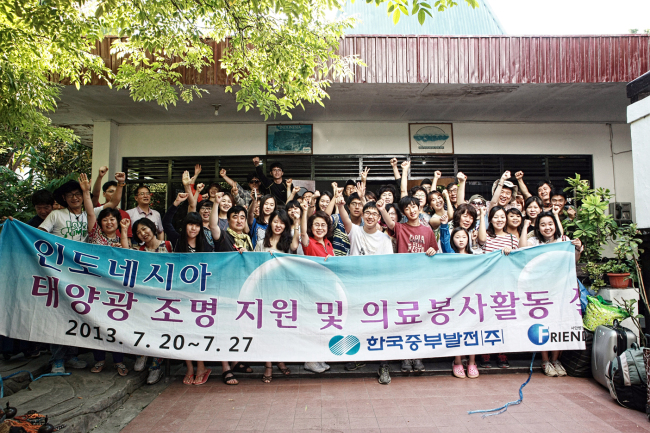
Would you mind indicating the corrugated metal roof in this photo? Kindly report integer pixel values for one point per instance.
(473, 59)
(458, 20)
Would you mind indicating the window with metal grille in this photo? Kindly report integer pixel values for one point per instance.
(481, 170)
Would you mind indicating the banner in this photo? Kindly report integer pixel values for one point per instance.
(263, 307)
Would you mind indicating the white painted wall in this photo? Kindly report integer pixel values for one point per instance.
(638, 116)
(613, 167)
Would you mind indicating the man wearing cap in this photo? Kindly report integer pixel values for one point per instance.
(277, 187)
(503, 191)
(71, 222)
(350, 185)
(426, 184)
(243, 196)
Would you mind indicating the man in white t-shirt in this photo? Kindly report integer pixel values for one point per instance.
(366, 240)
(72, 223)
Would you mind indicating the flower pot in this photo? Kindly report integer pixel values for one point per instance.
(618, 281)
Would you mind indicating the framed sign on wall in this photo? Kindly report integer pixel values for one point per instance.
(289, 139)
(431, 138)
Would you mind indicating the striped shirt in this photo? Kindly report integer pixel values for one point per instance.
(500, 242)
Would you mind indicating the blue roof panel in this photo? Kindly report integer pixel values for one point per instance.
(458, 20)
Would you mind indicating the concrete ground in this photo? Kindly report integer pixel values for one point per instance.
(428, 404)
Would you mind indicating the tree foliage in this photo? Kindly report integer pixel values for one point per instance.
(280, 54)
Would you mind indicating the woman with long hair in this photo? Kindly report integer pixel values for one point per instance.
(547, 231)
(279, 238)
(258, 225)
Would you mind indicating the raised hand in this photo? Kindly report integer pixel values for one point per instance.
(380, 204)
(556, 211)
(445, 193)
(222, 172)
(218, 198)
(361, 189)
(304, 205)
(437, 174)
(334, 186)
(406, 164)
(519, 175)
(295, 190)
(181, 197)
(316, 194)
(186, 179)
(234, 191)
(84, 182)
(393, 162)
(256, 161)
(200, 187)
(340, 200)
(483, 209)
(120, 177)
(444, 219)
(197, 170)
(505, 175)
(103, 170)
(289, 182)
(125, 223)
(339, 191)
(461, 176)
(364, 174)
(571, 212)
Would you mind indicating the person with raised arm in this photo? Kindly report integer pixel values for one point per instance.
(277, 186)
(108, 189)
(367, 240)
(259, 225)
(314, 233)
(412, 237)
(503, 191)
(547, 231)
(244, 196)
(460, 197)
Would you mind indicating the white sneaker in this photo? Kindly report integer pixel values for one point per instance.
(314, 367)
(324, 366)
(548, 369)
(58, 367)
(559, 368)
(154, 376)
(140, 363)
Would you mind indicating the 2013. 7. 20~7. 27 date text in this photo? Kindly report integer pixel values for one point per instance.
(163, 341)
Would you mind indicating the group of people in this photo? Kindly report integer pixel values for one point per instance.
(272, 214)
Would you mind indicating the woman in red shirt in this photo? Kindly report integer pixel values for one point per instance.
(314, 234)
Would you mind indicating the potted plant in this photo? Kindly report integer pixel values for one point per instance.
(617, 273)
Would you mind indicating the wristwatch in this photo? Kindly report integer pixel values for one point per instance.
(122, 184)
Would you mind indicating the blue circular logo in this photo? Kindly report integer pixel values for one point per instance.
(538, 334)
(348, 345)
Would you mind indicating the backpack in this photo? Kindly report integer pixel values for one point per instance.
(626, 379)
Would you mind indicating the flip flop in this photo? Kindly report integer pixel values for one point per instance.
(188, 379)
(228, 375)
(121, 369)
(204, 377)
(97, 368)
(242, 368)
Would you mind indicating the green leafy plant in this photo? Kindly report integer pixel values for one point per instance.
(591, 225)
(629, 307)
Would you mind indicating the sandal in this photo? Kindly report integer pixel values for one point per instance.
(269, 378)
(242, 368)
(98, 367)
(121, 369)
(284, 370)
(458, 371)
(227, 376)
(188, 379)
(200, 380)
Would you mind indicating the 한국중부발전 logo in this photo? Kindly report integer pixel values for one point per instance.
(538, 334)
(348, 345)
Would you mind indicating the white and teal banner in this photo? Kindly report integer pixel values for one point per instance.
(263, 307)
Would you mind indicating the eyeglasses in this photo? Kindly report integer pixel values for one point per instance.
(356, 204)
(371, 214)
(477, 203)
(74, 194)
(142, 194)
(254, 181)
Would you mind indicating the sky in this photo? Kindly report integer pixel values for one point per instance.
(571, 17)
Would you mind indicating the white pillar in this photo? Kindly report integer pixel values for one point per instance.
(638, 116)
(105, 151)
